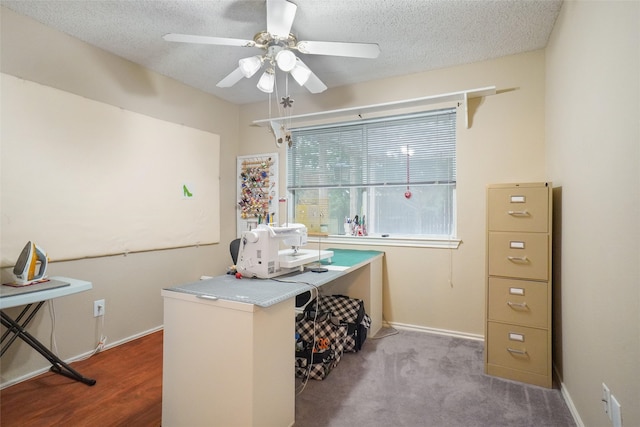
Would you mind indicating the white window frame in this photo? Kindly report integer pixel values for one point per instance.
(451, 242)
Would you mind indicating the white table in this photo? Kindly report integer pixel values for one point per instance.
(33, 297)
(229, 344)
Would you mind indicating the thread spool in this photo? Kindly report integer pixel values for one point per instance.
(283, 212)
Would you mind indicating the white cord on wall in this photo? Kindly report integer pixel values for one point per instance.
(52, 313)
(53, 343)
(101, 343)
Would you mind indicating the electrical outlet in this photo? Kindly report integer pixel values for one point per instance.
(606, 399)
(616, 412)
(98, 308)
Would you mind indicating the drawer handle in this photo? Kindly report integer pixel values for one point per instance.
(518, 213)
(518, 258)
(517, 305)
(208, 297)
(516, 351)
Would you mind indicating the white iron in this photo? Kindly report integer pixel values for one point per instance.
(25, 268)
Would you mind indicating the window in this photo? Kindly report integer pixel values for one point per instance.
(397, 173)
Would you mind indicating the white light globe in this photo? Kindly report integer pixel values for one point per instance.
(249, 66)
(286, 60)
(266, 81)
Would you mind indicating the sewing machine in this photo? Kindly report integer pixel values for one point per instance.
(260, 254)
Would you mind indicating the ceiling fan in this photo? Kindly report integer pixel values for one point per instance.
(279, 44)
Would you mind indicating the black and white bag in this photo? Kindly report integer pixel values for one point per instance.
(320, 345)
(348, 311)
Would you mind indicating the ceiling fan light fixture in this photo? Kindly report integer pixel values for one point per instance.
(280, 51)
(249, 66)
(286, 60)
(267, 80)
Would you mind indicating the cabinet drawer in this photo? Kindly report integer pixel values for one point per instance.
(518, 209)
(520, 255)
(517, 347)
(518, 301)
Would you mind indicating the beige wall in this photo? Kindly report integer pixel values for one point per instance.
(504, 144)
(130, 285)
(593, 154)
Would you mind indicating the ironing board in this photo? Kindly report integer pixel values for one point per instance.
(33, 298)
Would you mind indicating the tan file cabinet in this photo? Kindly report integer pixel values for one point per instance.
(518, 295)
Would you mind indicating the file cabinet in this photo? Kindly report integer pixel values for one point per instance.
(518, 295)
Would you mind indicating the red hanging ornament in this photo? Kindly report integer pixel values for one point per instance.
(407, 194)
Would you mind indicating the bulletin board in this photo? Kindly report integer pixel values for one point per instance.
(257, 191)
(81, 178)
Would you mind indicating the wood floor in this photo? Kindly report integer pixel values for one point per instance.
(128, 391)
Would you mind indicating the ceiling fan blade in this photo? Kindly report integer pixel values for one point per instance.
(313, 83)
(356, 50)
(187, 38)
(234, 77)
(280, 15)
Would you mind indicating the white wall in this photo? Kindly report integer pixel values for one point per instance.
(593, 155)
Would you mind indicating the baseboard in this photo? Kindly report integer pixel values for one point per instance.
(78, 357)
(116, 343)
(23, 378)
(435, 331)
(567, 399)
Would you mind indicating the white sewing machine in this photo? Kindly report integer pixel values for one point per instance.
(260, 254)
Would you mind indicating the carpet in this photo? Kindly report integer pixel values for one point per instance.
(415, 379)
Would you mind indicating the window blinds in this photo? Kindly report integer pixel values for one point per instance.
(416, 148)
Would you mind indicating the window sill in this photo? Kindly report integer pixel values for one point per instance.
(414, 242)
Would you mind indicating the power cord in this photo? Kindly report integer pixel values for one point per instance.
(313, 340)
(392, 332)
(305, 381)
(52, 337)
(53, 343)
(103, 337)
(379, 337)
(101, 343)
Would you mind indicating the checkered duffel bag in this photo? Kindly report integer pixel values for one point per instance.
(322, 346)
(345, 310)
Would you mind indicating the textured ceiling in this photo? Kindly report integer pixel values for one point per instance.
(414, 35)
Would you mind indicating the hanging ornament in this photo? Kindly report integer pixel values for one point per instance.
(407, 194)
(287, 102)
